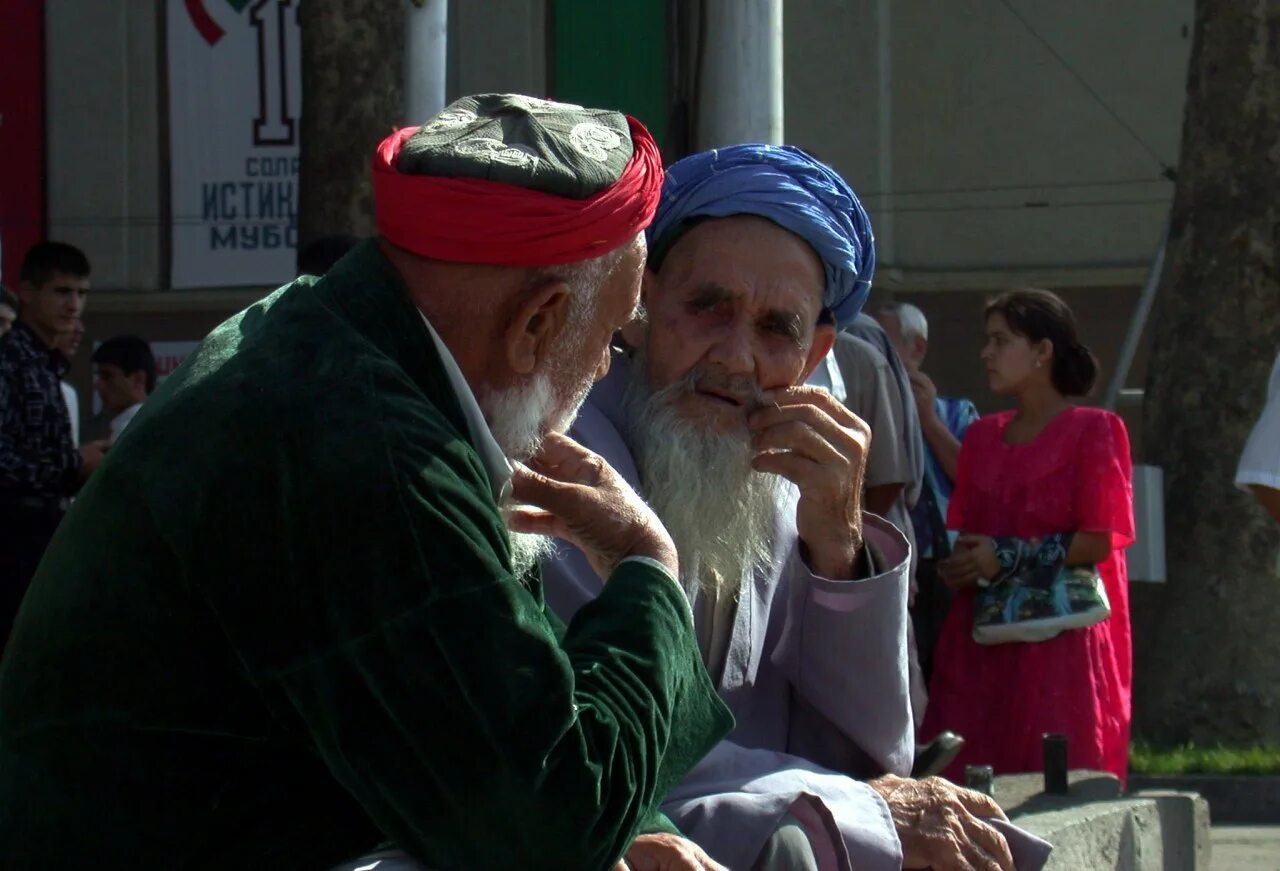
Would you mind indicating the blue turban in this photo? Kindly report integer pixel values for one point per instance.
(790, 188)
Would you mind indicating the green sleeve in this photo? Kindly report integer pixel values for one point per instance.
(657, 823)
(439, 695)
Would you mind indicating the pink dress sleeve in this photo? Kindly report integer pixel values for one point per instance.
(1104, 480)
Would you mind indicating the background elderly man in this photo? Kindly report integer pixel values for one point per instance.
(757, 255)
(944, 422)
(309, 631)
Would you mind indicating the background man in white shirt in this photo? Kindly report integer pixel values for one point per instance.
(1259, 470)
(68, 344)
(124, 374)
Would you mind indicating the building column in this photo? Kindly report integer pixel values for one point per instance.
(426, 53)
(739, 95)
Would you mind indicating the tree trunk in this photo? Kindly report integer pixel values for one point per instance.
(1208, 642)
(353, 96)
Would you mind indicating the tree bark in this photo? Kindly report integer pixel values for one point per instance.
(353, 96)
(1208, 642)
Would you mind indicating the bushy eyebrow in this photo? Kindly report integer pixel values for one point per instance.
(784, 322)
(781, 321)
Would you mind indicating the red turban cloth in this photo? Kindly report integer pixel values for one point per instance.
(475, 220)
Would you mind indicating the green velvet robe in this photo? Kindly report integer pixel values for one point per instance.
(280, 626)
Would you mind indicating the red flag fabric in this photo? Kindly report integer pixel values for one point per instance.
(469, 220)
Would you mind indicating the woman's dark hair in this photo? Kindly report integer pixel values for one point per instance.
(1037, 315)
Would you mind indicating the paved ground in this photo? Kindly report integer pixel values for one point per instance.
(1246, 847)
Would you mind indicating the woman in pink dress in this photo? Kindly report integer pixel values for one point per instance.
(1050, 467)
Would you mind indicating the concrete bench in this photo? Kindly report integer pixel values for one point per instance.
(1094, 826)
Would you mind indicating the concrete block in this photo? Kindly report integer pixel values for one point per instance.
(1232, 799)
(1156, 831)
(1024, 793)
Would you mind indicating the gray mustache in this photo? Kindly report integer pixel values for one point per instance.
(742, 388)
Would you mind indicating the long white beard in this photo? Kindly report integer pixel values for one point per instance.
(720, 512)
(519, 419)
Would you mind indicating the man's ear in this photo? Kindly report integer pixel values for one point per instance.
(535, 326)
(921, 348)
(824, 338)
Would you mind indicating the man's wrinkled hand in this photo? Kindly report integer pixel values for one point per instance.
(939, 827)
(807, 436)
(571, 493)
(925, 393)
(663, 852)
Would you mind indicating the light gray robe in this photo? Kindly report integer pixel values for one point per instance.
(816, 677)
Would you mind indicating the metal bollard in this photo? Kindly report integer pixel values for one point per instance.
(980, 778)
(1055, 764)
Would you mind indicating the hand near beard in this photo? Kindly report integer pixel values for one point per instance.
(573, 494)
(807, 436)
(925, 393)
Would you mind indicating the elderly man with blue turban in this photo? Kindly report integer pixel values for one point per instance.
(757, 256)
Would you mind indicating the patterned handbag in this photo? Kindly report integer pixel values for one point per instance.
(1035, 596)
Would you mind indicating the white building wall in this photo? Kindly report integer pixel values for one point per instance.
(982, 120)
(103, 152)
(501, 47)
(947, 115)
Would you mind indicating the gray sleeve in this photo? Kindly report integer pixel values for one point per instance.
(872, 395)
(844, 651)
(888, 462)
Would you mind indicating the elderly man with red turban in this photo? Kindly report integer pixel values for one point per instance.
(287, 621)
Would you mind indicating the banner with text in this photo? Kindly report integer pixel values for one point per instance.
(235, 94)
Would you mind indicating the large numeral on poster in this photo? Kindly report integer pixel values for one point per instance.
(235, 118)
(274, 124)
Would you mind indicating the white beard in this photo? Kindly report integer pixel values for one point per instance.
(720, 512)
(519, 419)
(529, 550)
(518, 416)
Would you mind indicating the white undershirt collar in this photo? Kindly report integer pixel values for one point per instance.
(492, 458)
